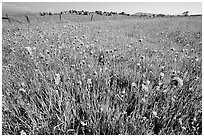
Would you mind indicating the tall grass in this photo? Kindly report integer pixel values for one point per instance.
(102, 78)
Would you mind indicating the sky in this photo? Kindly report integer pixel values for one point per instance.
(128, 7)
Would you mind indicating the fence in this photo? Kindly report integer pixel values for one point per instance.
(10, 19)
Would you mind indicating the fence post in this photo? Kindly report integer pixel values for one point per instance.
(60, 17)
(27, 19)
(91, 16)
(37, 19)
(8, 18)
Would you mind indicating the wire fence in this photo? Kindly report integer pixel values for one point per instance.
(65, 18)
(61, 18)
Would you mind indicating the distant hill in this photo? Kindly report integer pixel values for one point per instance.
(142, 14)
(15, 10)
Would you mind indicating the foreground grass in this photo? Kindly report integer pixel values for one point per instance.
(107, 78)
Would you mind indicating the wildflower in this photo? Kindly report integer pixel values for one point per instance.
(172, 49)
(145, 87)
(197, 78)
(161, 75)
(95, 73)
(143, 100)
(123, 92)
(29, 49)
(23, 84)
(89, 81)
(191, 88)
(180, 121)
(154, 113)
(22, 90)
(23, 132)
(140, 40)
(173, 74)
(196, 59)
(148, 82)
(162, 67)
(179, 80)
(79, 83)
(184, 128)
(173, 98)
(133, 84)
(57, 79)
(157, 87)
(192, 50)
(83, 123)
(144, 118)
(83, 62)
(47, 51)
(52, 46)
(165, 90)
(142, 57)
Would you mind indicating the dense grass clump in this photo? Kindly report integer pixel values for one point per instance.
(128, 77)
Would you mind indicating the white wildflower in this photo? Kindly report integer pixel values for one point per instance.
(123, 92)
(173, 98)
(29, 49)
(145, 88)
(23, 84)
(161, 75)
(22, 90)
(180, 81)
(180, 121)
(154, 113)
(148, 82)
(79, 83)
(166, 90)
(83, 123)
(89, 81)
(23, 132)
(157, 87)
(57, 79)
(143, 100)
(140, 40)
(133, 84)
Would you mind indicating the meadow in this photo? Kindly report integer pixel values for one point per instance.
(102, 77)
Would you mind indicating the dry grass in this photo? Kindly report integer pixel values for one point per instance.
(103, 77)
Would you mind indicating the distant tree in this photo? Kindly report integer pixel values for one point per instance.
(113, 12)
(86, 13)
(49, 13)
(160, 15)
(42, 13)
(122, 13)
(185, 13)
(99, 12)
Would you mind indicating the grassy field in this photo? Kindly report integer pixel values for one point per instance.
(103, 77)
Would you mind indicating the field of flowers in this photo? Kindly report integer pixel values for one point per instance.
(109, 77)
